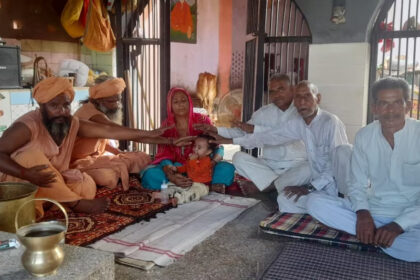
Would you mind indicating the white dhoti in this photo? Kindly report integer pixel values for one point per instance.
(336, 212)
(263, 172)
(341, 166)
(341, 170)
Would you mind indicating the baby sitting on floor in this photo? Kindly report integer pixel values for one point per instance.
(199, 167)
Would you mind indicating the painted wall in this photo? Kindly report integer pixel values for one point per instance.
(188, 60)
(359, 15)
(342, 80)
(239, 10)
(225, 46)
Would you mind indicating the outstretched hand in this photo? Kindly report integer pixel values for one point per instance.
(156, 132)
(39, 175)
(184, 141)
(248, 128)
(205, 127)
(219, 139)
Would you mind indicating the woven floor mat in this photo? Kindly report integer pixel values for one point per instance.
(303, 226)
(301, 261)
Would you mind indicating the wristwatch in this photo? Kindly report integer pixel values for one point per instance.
(310, 187)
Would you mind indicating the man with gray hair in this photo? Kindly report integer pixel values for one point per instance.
(383, 204)
(322, 133)
(283, 165)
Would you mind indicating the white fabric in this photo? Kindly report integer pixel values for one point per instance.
(337, 213)
(74, 66)
(263, 173)
(185, 195)
(321, 137)
(172, 234)
(341, 168)
(386, 181)
(265, 119)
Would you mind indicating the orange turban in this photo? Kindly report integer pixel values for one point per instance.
(49, 88)
(107, 88)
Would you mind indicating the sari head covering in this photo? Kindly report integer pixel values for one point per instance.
(107, 88)
(173, 153)
(51, 87)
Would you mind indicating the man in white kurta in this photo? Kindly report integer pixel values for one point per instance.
(285, 164)
(320, 131)
(383, 207)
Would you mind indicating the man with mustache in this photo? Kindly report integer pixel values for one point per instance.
(323, 135)
(104, 107)
(383, 204)
(37, 148)
(280, 165)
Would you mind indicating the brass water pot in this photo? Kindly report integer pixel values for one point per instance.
(12, 196)
(43, 254)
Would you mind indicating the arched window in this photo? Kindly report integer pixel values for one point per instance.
(395, 46)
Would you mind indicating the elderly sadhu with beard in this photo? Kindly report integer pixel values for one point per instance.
(38, 146)
(90, 155)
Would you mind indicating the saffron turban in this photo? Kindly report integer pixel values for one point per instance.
(50, 88)
(107, 88)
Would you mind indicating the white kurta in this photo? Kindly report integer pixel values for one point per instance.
(265, 119)
(320, 137)
(277, 160)
(386, 181)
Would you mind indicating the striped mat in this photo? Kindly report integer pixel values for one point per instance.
(304, 261)
(303, 226)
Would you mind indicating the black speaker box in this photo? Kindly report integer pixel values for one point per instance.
(10, 71)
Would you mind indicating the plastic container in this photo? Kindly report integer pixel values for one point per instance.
(164, 195)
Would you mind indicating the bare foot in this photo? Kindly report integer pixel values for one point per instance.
(91, 206)
(248, 188)
(220, 188)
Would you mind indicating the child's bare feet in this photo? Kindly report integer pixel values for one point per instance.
(220, 188)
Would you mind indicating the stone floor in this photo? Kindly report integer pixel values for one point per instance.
(236, 251)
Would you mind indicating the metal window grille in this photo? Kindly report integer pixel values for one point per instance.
(143, 59)
(395, 46)
(279, 43)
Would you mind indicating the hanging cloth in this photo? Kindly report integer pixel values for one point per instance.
(83, 14)
(99, 35)
(70, 18)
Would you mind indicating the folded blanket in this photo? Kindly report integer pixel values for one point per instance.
(170, 235)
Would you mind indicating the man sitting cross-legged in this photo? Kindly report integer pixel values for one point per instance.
(104, 107)
(284, 165)
(383, 204)
(38, 146)
(322, 134)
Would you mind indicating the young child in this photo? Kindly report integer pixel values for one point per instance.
(199, 167)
